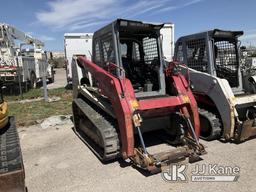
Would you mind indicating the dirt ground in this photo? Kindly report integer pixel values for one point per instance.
(57, 160)
(60, 79)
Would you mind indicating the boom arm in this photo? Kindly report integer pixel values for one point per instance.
(13, 33)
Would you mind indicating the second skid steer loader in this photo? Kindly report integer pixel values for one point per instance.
(224, 92)
(125, 91)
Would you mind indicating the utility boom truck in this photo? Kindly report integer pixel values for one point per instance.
(19, 64)
(225, 92)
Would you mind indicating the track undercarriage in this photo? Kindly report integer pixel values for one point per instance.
(12, 175)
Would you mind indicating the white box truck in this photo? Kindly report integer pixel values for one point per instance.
(167, 33)
(76, 44)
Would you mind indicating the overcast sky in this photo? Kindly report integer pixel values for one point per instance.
(49, 20)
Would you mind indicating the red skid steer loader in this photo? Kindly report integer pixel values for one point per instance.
(128, 90)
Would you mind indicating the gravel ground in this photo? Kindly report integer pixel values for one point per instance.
(57, 160)
(60, 79)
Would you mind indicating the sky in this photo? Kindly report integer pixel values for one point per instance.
(49, 20)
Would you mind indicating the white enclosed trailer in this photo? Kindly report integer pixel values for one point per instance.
(167, 33)
(76, 44)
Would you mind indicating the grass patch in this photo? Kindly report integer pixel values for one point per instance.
(28, 113)
(35, 93)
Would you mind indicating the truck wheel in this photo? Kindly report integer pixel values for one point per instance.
(33, 80)
(25, 86)
(51, 80)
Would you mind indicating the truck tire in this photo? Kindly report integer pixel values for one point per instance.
(51, 79)
(33, 83)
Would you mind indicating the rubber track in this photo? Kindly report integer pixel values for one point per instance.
(111, 147)
(10, 151)
(215, 124)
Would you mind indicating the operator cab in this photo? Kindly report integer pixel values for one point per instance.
(133, 49)
(215, 52)
(226, 55)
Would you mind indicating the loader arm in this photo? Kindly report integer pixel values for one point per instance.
(122, 97)
(121, 100)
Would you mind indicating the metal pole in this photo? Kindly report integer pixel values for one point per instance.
(19, 76)
(46, 99)
(45, 89)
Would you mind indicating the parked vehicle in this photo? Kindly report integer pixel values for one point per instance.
(167, 35)
(18, 63)
(224, 89)
(76, 44)
(128, 93)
